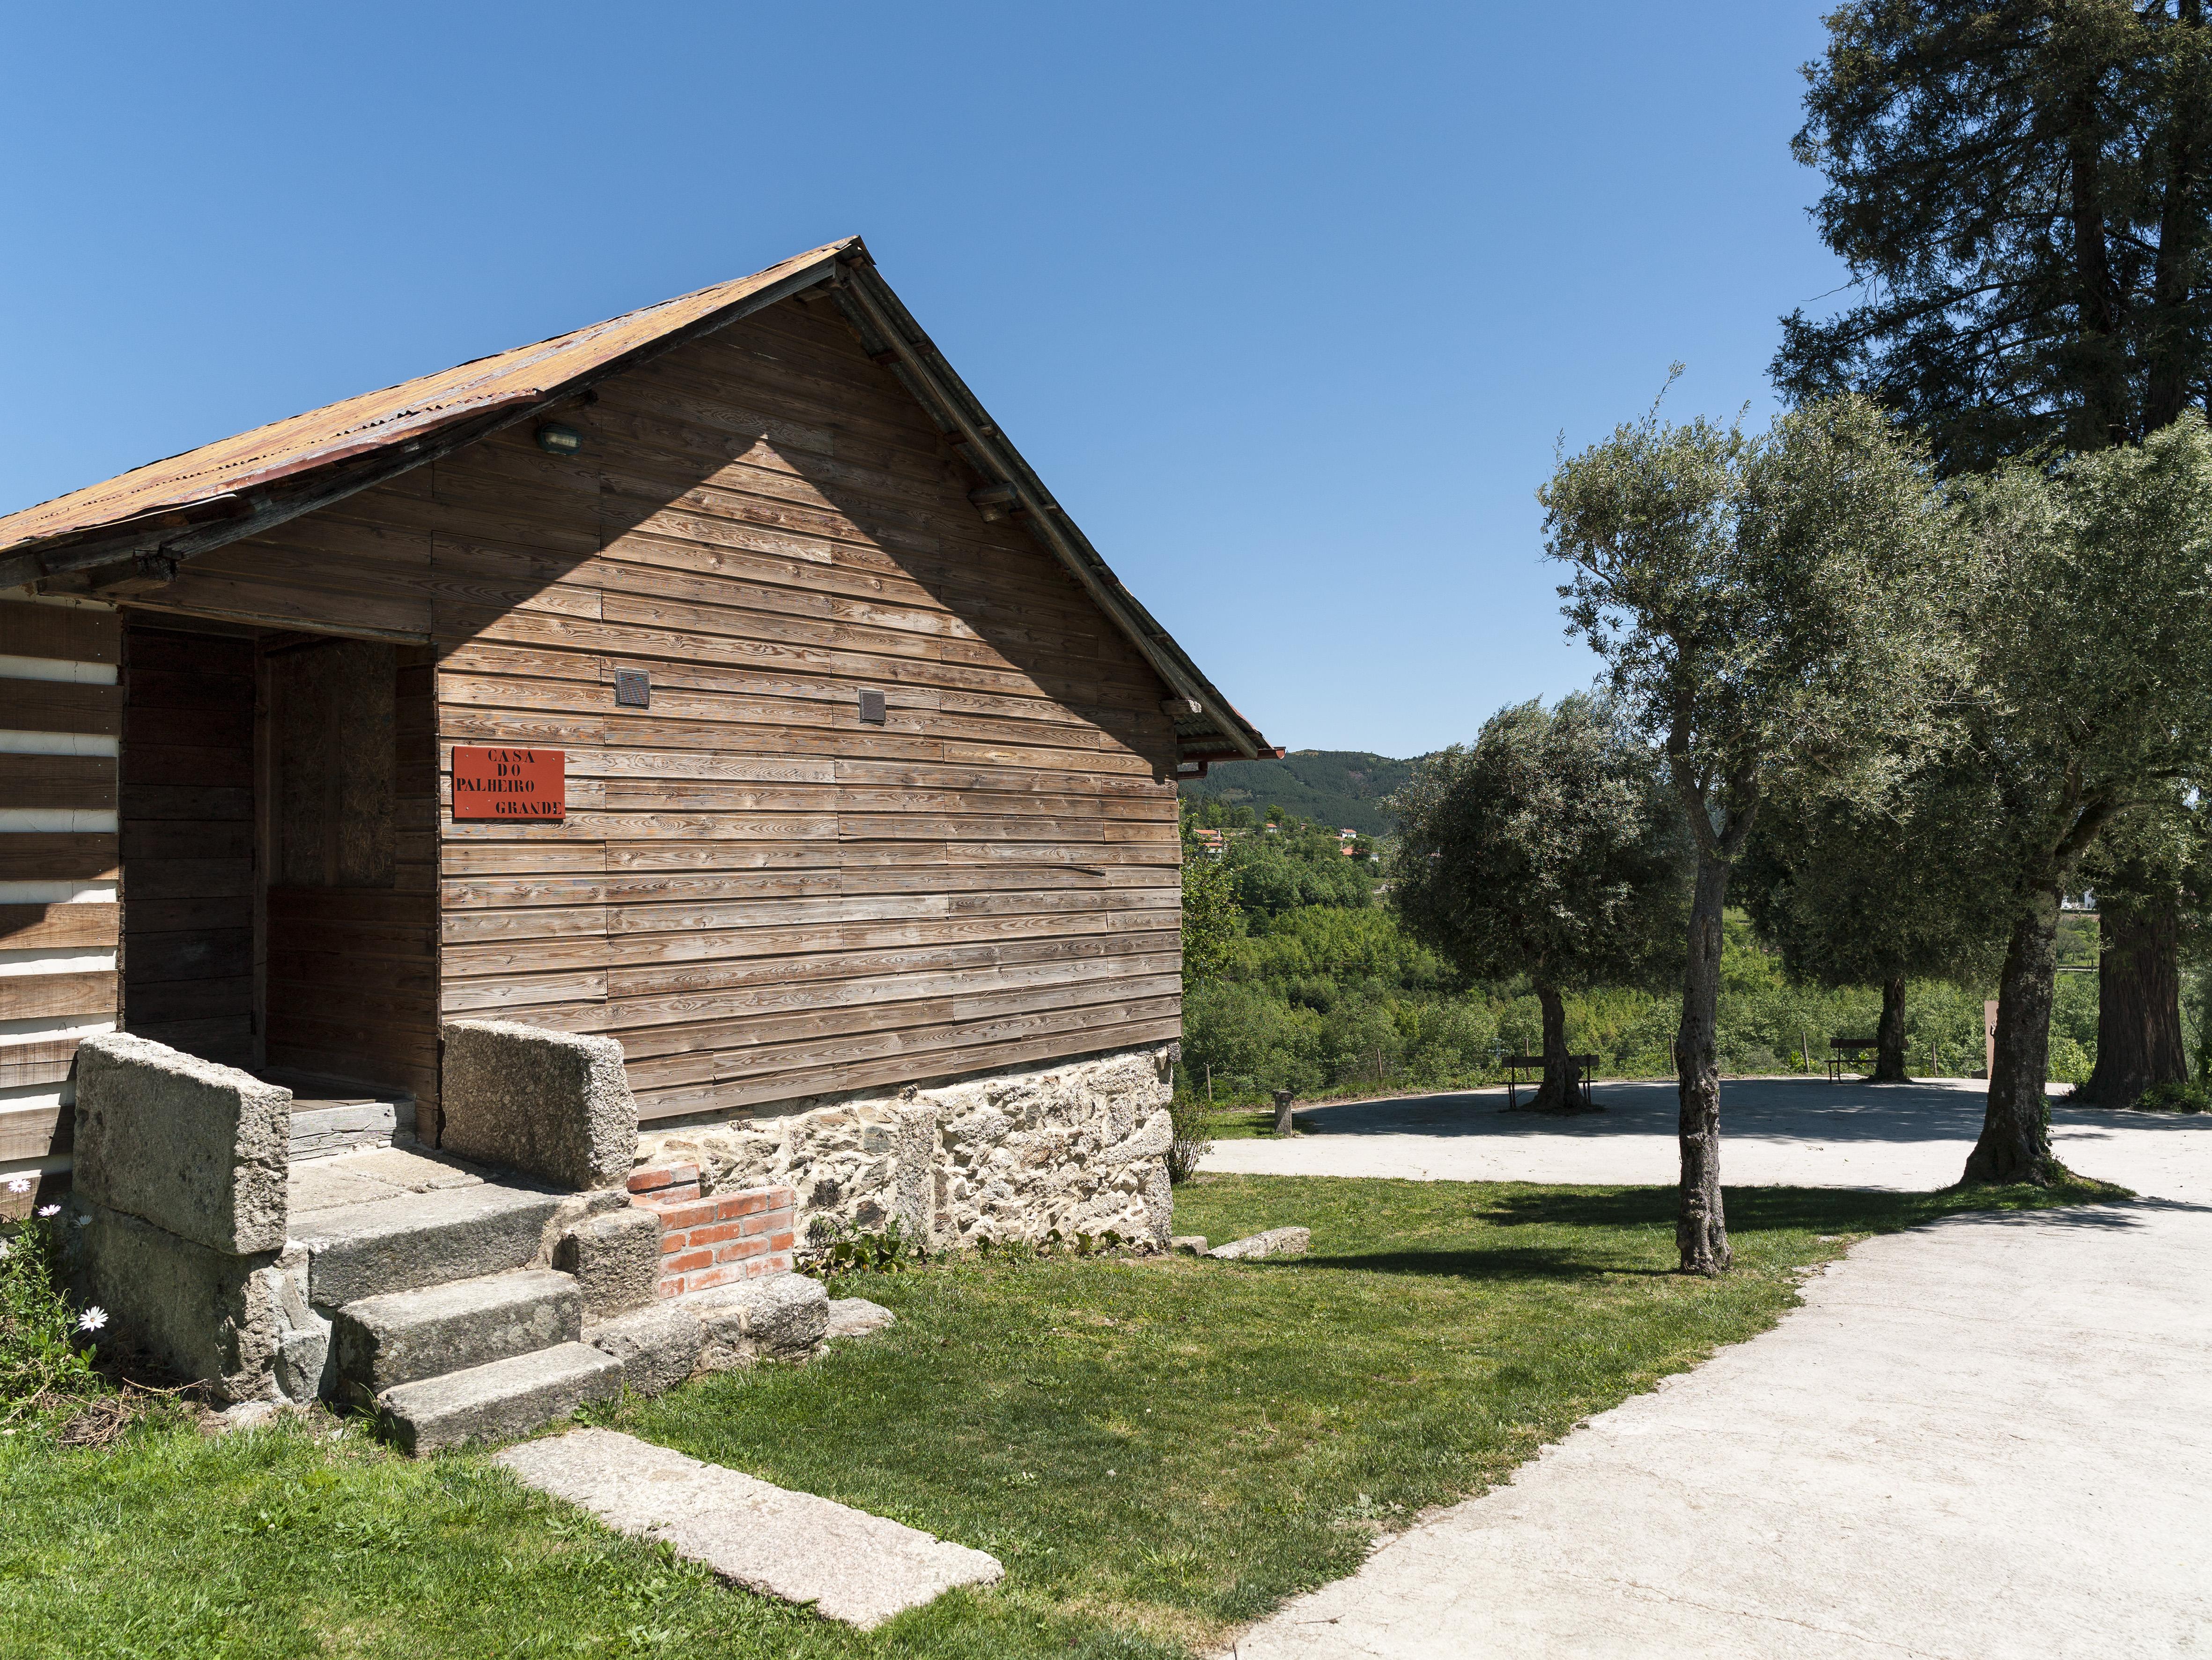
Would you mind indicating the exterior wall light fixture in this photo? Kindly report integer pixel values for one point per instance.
(556, 440)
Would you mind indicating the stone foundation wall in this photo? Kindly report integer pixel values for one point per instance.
(1079, 1145)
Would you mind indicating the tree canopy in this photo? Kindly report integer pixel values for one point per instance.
(1211, 919)
(1767, 610)
(1551, 848)
(2090, 625)
(2020, 189)
(1854, 892)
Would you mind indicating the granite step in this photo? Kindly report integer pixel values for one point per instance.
(418, 1239)
(402, 1336)
(491, 1402)
(844, 1563)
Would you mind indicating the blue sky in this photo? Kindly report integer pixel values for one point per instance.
(1288, 303)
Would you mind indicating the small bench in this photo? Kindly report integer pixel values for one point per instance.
(1578, 1078)
(1849, 1051)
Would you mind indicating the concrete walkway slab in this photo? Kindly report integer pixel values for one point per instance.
(1797, 1131)
(1991, 1437)
(853, 1566)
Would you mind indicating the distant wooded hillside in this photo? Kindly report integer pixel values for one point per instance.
(1340, 789)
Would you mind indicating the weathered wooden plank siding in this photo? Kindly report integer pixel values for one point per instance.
(761, 896)
(188, 839)
(353, 963)
(363, 568)
(61, 725)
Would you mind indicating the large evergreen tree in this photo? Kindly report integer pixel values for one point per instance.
(2023, 192)
(2146, 875)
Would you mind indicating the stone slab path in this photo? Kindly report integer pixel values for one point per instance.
(853, 1566)
(1992, 1437)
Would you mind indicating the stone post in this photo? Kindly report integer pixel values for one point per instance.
(1283, 1123)
(179, 1179)
(555, 1105)
(200, 1151)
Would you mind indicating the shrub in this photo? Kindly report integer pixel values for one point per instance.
(42, 1364)
(1360, 1043)
(2176, 1097)
(1449, 1042)
(1253, 1042)
(2070, 1061)
(1188, 1141)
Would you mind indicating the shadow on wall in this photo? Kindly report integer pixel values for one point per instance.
(1022, 610)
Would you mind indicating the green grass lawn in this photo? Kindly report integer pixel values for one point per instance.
(1240, 1124)
(1158, 1452)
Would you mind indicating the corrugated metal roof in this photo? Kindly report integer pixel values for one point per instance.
(377, 420)
(188, 504)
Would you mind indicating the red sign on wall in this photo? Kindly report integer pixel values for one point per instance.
(510, 783)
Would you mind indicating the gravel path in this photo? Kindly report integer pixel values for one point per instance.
(1991, 1437)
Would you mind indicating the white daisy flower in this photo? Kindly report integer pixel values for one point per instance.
(21, 1184)
(92, 1319)
(49, 1210)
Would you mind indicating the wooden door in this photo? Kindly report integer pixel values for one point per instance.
(349, 973)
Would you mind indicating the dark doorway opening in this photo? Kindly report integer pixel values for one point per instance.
(279, 876)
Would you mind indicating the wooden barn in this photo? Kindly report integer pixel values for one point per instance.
(717, 678)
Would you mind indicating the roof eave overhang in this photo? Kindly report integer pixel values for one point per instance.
(145, 550)
(892, 336)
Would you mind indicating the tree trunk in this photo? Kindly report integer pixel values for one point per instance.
(2103, 373)
(2171, 336)
(2138, 1003)
(1889, 1036)
(2016, 1140)
(1557, 1092)
(1701, 1225)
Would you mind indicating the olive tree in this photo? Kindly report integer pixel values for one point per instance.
(2021, 191)
(1551, 848)
(1871, 892)
(1766, 608)
(2092, 629)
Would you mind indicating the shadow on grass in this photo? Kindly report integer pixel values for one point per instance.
(1818, 1210)
(1494, 1265)
(1751, 1211)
